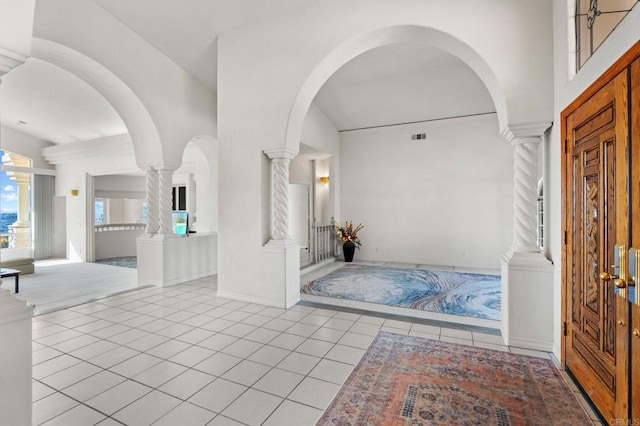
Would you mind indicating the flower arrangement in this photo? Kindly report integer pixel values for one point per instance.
(349, 233)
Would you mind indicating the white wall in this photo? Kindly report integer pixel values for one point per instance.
(123, 211)
(116, 243)
(319, 133)
(73, 162)
(25, 145)
(301, 171)
(325, 200)
(120, 184)
(622, 39)
(201, 158)
(446, 200)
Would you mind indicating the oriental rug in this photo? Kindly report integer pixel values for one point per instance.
(447, 292)
(408, 380)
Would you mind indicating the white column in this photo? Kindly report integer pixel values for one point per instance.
(153, 202)
(283, 250)
(165, 197)
(525, 193)
(527, 276)
(280, 159)
(23, 180)
(15, 358)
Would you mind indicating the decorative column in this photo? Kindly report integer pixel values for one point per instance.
(284, 250)
(527, 275)
(280, 159)
(165, 196)
(156, 248)
(153, 201)
(525, 193)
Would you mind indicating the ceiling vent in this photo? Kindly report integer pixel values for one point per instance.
(418, 136)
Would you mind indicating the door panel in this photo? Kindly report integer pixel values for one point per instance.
(597, 219)
(635, 236)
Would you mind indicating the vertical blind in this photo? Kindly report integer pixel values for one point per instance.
(43, 192)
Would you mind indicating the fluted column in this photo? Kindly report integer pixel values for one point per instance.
(280, 159)
(153, 201)
(165, 197)
(526, 142)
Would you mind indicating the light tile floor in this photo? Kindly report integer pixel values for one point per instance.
(182, 356)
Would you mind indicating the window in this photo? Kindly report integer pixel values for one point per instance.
(179, 198)
(99, 211)
(145, 212)
(15, 201)
(594, 21)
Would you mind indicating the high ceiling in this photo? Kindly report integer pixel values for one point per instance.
(187, 31)
(49, 103)
(402, 83)
(389, 85)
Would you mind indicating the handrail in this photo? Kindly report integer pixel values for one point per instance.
(324, 242)
(108, 227)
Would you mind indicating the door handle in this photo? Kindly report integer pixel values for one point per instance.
(605, 276)
(634, 274)
(620, 283)
(636, 333)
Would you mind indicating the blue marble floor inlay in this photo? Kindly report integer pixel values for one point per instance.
(124, 261)
(447, 292)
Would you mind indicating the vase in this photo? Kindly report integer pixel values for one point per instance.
(348, 248)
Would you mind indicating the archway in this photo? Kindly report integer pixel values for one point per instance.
(381, 37)
(143, 132)
(388, 189)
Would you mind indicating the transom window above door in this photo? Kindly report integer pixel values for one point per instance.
(594, 21)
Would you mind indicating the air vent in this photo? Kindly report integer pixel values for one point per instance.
(418, 136)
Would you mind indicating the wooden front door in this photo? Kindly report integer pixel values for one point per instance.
(635, 236)
(597, 218)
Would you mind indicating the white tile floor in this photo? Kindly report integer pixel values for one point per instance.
(181, 356)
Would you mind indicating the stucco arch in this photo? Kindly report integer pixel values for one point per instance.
(382, 37)
(129, 107)
(200, 158)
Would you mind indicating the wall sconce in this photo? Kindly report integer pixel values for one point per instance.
(74, 192)
(324, 179)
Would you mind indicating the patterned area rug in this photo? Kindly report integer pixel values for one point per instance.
(407, 380)
(454, 293)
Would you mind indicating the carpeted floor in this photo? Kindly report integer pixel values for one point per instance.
(56, 285)
(408, 380)
(447, 292)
